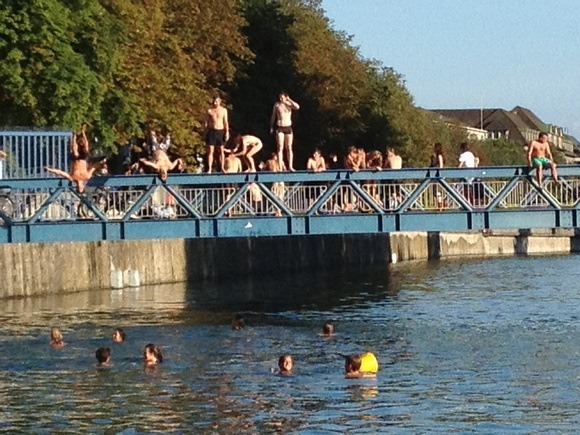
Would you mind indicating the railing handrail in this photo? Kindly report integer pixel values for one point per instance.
(193, 179)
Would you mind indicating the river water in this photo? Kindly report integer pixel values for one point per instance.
(463, 346)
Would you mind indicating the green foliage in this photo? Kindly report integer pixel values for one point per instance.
(499, 152)
(124, 66)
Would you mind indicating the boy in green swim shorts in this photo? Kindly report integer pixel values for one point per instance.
(540, 157)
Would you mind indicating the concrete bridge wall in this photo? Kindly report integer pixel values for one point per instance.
(35, 269)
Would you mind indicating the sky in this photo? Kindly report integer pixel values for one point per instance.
(465, 54)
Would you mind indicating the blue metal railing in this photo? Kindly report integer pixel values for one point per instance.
(299, 203)
(30, 151)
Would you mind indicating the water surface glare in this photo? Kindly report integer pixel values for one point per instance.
(463, 346)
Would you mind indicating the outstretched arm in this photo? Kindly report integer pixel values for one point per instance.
(58, 172)
(177, 163)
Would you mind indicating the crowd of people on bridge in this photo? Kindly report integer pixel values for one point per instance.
(233, 153)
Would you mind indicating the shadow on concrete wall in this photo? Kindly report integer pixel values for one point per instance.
(521, 241)
(575, 241)
(211, 259)
(434, 245)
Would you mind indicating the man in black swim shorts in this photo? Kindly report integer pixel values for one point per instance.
(282, 119)
(217, 132)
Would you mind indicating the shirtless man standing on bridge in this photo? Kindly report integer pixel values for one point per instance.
(540, 157)
(81, 170)
(217, 132)
(282, 120)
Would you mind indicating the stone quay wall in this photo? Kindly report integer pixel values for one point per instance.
(39, 269)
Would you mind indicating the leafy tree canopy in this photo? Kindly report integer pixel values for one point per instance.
(124, 66)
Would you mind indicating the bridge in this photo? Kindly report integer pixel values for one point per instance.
(286, 203)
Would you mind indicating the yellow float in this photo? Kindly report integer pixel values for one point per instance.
(368, 363)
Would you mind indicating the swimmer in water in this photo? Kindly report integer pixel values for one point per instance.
(285, 364)
(327, 329)
(352, 365)
(152, 355)
(238, 323)
(118, 335)
(357, 366)
(56, 338)
(103, 355)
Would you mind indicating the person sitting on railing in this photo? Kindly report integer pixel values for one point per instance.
(161, 164)
(354, 160)
(392, 159)
(374, 160)
(540, 157)
(232, 163)
(316, 162)
(81, 170)
(332, 162)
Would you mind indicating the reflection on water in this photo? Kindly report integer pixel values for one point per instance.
(487, 346)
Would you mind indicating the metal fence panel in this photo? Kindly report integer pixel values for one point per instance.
(28, 152)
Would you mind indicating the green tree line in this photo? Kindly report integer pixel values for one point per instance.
(125, 66)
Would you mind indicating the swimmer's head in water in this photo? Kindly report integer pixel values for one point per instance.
(152, 354)
(103, 355)
(238, 323)
(285, 364)
(56, 337)
(118, 335)
(55, 334)
(352, 363)
(327, 328)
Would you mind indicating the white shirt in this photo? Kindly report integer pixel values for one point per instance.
(467, 160)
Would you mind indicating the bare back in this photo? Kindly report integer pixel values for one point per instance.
(395, 161)
(160, 159)
(80, 171)
(232, 164)
(272, 165)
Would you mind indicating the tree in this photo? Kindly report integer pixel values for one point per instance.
(177, 54)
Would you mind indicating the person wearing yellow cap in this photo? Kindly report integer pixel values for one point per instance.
(357, 366)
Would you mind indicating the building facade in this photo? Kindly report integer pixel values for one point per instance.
(519, 125)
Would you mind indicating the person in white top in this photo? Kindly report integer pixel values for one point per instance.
(467, 159)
